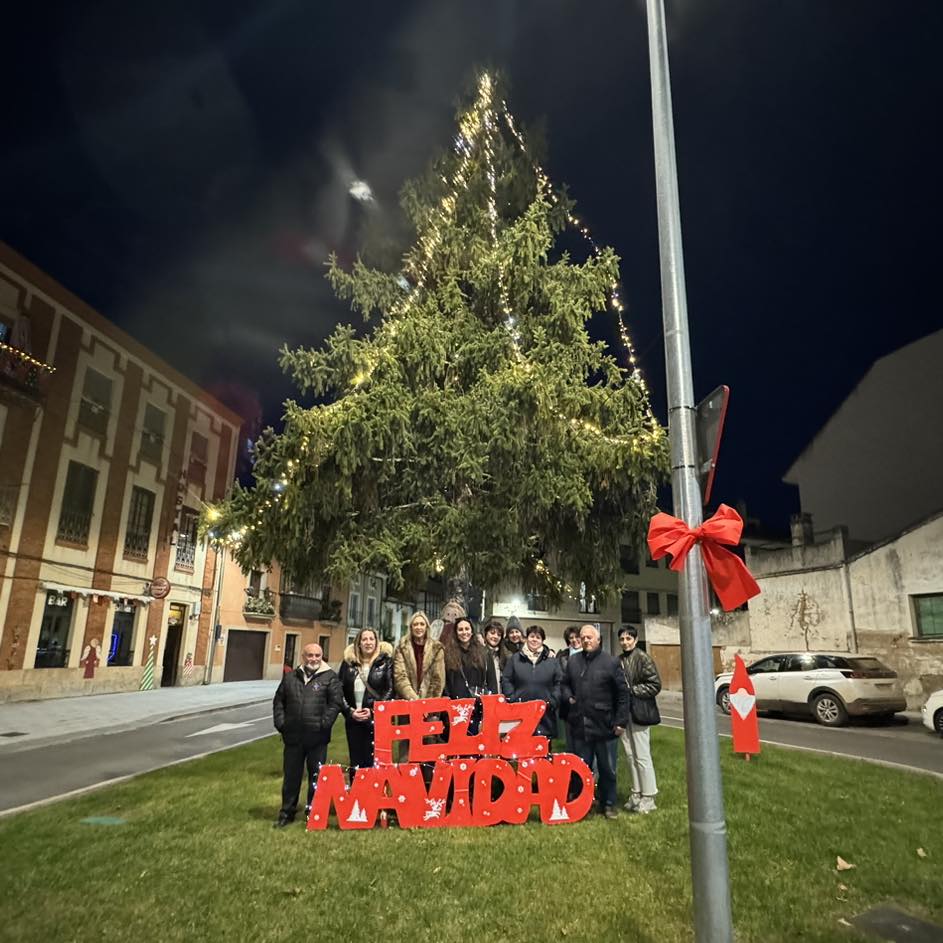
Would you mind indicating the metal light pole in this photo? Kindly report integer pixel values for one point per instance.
(214, 628)
(708, 829)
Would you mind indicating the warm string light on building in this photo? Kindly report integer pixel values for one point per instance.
(26, 358)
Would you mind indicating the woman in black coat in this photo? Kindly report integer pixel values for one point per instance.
(533, 674)
(465, 666)
(366, 676)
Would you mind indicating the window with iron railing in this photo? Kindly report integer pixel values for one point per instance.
(186, 540)
(587, 601)
(95, 404)
(137, 536)
(536, 602)
(9, 494)
(152, 434)
(78, 500)
(199, 449)
(631, 606)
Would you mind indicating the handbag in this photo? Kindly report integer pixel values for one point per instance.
(645, 711)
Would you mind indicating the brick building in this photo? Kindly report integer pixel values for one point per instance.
(106, 454)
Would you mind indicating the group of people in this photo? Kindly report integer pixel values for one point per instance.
(601, 699)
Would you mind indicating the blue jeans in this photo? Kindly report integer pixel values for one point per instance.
(603, 754)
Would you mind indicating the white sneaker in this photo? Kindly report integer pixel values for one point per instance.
(633, 803)
(646, 805)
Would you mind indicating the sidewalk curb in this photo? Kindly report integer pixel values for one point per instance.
(24, 746)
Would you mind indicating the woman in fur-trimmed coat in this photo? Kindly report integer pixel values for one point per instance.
(366, 676)
(418, 663)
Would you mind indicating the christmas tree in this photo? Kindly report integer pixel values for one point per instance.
(474, 428)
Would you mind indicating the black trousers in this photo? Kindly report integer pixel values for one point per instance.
(295, 757)
(360, 743)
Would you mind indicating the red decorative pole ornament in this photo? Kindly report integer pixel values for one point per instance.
(743, 720)
(732, 581)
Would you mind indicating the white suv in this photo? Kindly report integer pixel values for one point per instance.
(830, 687)
(933, 712)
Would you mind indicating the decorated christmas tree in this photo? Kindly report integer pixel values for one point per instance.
(473, 428)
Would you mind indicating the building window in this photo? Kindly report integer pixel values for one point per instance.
(652, 604)
(628, 559)
(672, 604)
(78, 500)
(325, 642)
(52, 651)
(137, 537)
(9, 495)
(929, 612)
(254, 586)
(371, 612)
(631, 608)
(199, 446)
(536, 603)
(186, 539)
(95, 405)
(587, 601)
(121, 650)
(353, 610)
(649, 562)
(152, 435)
(301, 599)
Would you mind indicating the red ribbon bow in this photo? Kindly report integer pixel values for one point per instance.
(732, 581)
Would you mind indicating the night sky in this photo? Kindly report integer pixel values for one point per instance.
(184, 168)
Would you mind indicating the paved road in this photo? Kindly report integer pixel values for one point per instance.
(44, 772)
(48, 771)
(904, 742)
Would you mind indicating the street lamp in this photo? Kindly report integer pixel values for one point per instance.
(710, 878)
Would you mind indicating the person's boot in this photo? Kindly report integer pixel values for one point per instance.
(610, 812)
(633, 803)
(284, 818)
(646, 805)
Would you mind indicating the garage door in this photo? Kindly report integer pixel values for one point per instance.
(245, 656)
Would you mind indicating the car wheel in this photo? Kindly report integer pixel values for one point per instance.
(938, 721)
(723, 699)
(829, 711)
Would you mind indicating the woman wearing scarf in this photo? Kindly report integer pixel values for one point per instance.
(533, 674)
(366, 676)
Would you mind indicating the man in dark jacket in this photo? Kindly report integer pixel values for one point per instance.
(598, 696)
(305, 707)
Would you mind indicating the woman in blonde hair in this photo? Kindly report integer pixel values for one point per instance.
(366, 676)
(419, 662)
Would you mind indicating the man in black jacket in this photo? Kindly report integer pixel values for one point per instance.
(305, 707)
(598, 695)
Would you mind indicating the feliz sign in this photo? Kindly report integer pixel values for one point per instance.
(484, 778)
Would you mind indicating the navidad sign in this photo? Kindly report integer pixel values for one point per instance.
(485, 778)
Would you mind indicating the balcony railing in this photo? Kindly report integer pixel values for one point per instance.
(22, 378)
(93, 416)
(259, 603)
(302, 608)
(74, 525)
(136, 544)
(152, 446)
(186, 552)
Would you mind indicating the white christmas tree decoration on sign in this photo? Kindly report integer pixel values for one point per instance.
(357, 814)
(559, 813)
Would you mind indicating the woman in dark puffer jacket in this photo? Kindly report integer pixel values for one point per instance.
(533, 674)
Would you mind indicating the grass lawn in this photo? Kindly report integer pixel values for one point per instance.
(199, 860)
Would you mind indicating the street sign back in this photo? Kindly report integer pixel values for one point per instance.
(709, 426)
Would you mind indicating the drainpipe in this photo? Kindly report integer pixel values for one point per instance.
(851, 607)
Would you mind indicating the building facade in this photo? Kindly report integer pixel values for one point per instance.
(107, 454)
(266, 619)
(875, 465)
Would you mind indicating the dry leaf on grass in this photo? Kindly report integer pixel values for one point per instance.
(921, 853)
(842, 865)
(844, 922)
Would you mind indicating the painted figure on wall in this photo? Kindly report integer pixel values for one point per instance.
(91, 658)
